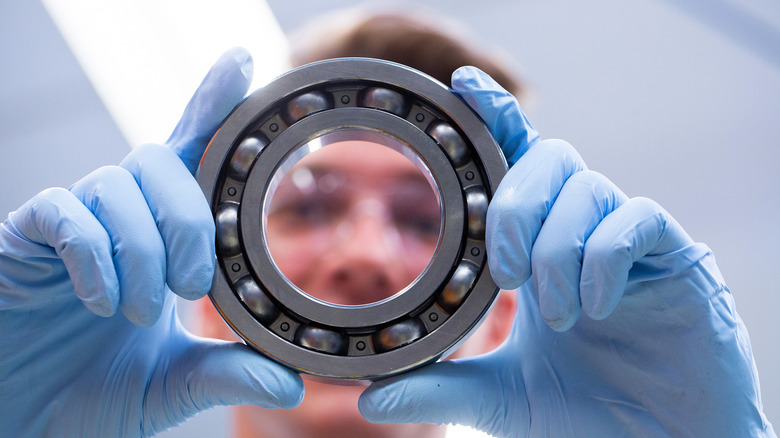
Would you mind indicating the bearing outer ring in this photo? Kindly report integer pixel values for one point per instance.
(429, 318)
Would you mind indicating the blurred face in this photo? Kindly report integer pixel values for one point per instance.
(351, 223)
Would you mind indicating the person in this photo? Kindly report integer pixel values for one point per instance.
(340, 228)
(624, 325)
(304, 218)
(436, 47)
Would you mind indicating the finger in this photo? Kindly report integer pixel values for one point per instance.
(556, 257)
(182, 215)
(463, 392)
(499, 109)
(113, 197)
(521, 205)
(55, 217)
(640, 240)
(219, 373)
(221, 90)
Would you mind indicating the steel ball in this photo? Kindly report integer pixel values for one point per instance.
(452, 143)
(227, 229)
(256, 300)
(320, 339)
(477, 205)
(305, 104)
(399, 334)
(458, 287)
(245, 155)
(384, 99)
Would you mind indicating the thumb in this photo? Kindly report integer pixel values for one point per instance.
(499, 109)
(224, 86)
(468, 392)
(219, 373)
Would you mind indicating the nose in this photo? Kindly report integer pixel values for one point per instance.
(365, 260)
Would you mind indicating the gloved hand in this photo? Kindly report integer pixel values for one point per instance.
(90, 345)
(624, 325)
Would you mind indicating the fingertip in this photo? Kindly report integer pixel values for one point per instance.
(97, 288)
(562, 323)
(196, 283)
(183, 219)
(483, 94)
(369, 405)
(505, 240)
(559, 310)
(101, 297)
(462, 391)
(469, 77)
(191, 292)
(145, 312)
(293, 396)
(395, 399)
(241, 58)
(224, 87)
(275, 386)
(559, 301)
(101, 305)
(508, 263)
(599, 313)
(230, 373)
(599, 303)
(505, 278)
(191, 260)
(499, 109)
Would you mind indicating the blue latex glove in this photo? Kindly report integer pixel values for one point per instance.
(90, 345)
(624, 325)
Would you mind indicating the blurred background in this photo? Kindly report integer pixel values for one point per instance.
(678, 101)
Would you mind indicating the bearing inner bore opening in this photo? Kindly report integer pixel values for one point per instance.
(352, 217)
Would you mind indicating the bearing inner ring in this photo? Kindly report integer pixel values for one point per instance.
(427, 319)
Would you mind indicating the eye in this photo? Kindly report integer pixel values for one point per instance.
(310, 210)
(315, 211)
(416, 210)
(421, 223)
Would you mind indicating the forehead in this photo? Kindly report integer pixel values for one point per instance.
(363, 159)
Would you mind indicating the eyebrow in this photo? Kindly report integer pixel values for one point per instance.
(411, 176)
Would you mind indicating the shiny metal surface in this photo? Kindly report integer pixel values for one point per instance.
(227, 229)
(476, 204)
(256, 300)
(341, 98)
(398, 334)
(305, 104)
(384, 99)
(245, 155)
(458, 287)
(315, 338)
(449, 139)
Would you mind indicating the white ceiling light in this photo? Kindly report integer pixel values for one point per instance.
(146, 57)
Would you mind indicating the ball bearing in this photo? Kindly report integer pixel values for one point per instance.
(384, 99)
(245, 155)
(256, 300)
(369, 100)
(226, 221)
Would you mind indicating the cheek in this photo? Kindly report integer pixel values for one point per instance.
(298, 252)
(417, 255)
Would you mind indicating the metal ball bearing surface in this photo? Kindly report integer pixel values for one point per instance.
(342, 97)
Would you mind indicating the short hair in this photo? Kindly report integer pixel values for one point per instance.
(436, 47)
